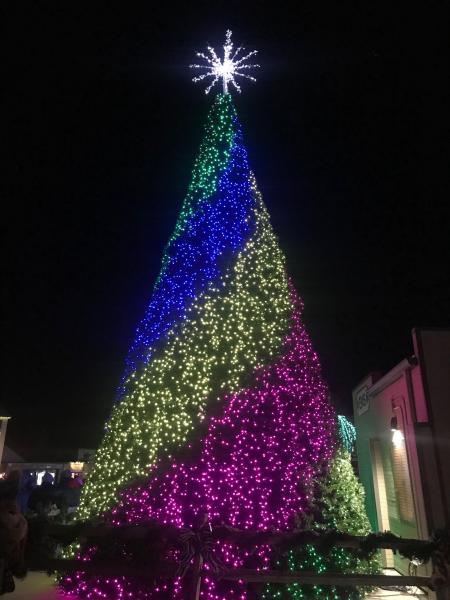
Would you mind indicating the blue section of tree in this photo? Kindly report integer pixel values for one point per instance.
(195, 260)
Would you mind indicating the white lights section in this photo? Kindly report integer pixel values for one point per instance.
(227, 69)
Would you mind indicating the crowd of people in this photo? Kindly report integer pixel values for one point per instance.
(22, 499)
(48, 499)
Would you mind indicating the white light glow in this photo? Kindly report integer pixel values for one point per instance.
(397, 437)
(227, 69)
(40, 476)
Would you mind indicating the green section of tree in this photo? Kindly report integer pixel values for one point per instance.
(339, 506)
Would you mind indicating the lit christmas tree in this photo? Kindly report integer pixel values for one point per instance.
(340, 506)
(223, 410)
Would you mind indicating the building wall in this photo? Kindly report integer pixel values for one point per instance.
(433, 350)
(362, 406)
(407, 483)
(3, 426)
(390, 472)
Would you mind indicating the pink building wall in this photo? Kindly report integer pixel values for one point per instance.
(417, 393)
(433, 350)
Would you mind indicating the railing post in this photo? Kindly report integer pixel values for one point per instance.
(254, 591)
(2, 573)
(193, 579)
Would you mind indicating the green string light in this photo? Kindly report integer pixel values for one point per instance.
(211, 162)
(230, 330)
(346, 433)
(341, 499)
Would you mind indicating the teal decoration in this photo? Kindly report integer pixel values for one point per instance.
(346, 433)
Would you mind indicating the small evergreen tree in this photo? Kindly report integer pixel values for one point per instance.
(341, 508)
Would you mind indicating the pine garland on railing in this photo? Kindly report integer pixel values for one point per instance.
(150, 543)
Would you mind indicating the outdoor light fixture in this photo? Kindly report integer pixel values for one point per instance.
(397, 434)
(397, 438)
(76, 465)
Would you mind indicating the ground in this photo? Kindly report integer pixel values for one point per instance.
(35, 586)
(394, 595)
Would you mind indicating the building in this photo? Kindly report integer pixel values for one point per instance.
(11, 461)
(402, 421)
(4, 418)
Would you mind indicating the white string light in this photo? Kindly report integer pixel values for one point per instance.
(227, 69)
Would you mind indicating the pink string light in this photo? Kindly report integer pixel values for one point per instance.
(254, 469)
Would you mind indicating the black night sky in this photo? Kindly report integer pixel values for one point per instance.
(346, 131)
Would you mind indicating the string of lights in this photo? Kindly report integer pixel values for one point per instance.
(223, 410)
(227, 333)
(227, 69)
(341, 498)
(257, 463)
(204, 232)
(346, 433)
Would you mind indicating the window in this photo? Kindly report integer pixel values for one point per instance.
(402, 481)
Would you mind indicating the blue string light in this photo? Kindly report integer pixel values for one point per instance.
(195, 258)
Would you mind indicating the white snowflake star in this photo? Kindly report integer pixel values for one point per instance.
(226, 69)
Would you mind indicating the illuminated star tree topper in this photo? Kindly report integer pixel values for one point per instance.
(228, 69)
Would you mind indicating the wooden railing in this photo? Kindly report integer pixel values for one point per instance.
(156, 538)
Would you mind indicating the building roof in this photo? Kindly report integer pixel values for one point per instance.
(10, 456)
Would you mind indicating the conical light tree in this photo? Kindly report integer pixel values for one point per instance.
(223, 409)
(339, 506)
